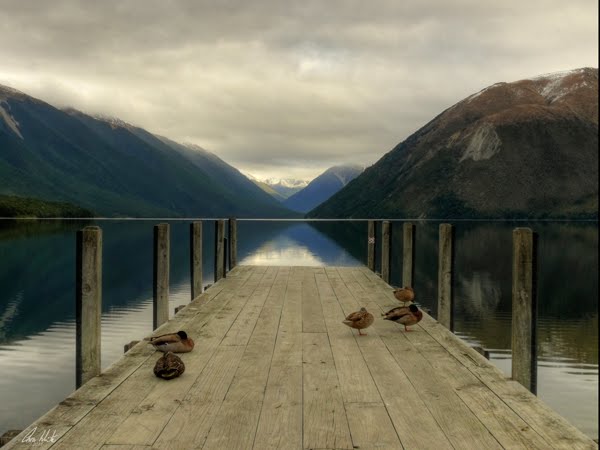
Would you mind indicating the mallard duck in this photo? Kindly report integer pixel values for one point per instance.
(405, 294)
(174, 342)
(405, 315)
(359, 320)
(169, 366)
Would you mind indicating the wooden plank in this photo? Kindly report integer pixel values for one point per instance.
(356, 290)
(459, 424)
(325, 422)
(150, 416)
(291, 315)
(413, 422)
(125, 447)
(312, 313)
(448, 410)
(344, 296)
(100, 422)
(371, 427)
(540, 417)
(502, 422)
(280, 423)
(237, 420)
(241, 330)
(70, 412)
(353, 374)
(425, 383)
(189, 426)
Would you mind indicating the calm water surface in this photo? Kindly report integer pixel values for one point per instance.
(37, 311)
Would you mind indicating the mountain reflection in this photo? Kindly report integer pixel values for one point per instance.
(295, 244)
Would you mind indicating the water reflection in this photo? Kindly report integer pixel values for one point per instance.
(37, 266)
(293, 244)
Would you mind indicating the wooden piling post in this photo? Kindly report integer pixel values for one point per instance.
(445, 259)
(196, 258)
(225, 254)
(371, 245)
(232, 243)
(386, 241)
(88, 304)
(524, 308)
(408, 254)
(161, 275)
(219, 249)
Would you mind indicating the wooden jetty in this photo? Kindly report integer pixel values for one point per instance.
(274, 368)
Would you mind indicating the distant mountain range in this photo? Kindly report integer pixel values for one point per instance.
(279, 188)
(323, 187)
(116, 169)
(526, 149)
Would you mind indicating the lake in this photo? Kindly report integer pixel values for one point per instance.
(37, 296)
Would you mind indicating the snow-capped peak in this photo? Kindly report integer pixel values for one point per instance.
(553, 86)
(557, 75)
(286, 182)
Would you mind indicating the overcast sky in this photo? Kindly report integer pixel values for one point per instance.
(280, 88)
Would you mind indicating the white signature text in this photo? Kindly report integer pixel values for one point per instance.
(46, 436)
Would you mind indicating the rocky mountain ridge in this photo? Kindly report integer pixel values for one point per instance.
(523, 149)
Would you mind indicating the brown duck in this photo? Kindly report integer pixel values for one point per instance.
(404, 315)
(359, 320)
(174, 342)
(405, 294)
(169, 366)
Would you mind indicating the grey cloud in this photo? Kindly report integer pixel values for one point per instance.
(281, 84)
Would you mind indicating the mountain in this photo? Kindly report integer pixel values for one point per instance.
(323, 187)
(265, 187)
(279, 188)
(114, 168)
(526, 149)
(285, 187)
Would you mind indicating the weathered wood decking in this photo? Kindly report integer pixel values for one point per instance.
(274, 367)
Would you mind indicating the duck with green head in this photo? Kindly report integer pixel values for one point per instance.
(173, 342)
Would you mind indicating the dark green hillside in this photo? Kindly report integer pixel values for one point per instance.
(113, 168)
(11, 206)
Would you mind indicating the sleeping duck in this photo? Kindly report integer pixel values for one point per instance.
(359, 320)
(169, 366)
(405, 294)
(405, 315)
(174, 342)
